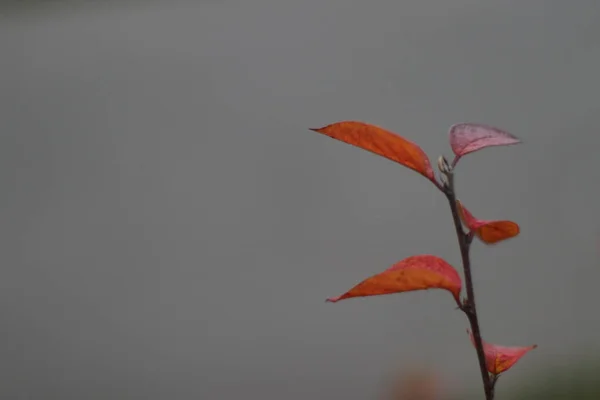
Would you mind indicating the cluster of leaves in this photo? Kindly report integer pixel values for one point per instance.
(422, 272)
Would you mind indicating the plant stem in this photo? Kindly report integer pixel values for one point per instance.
(468, 306)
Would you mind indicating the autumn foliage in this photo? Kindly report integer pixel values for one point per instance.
(489, 232)
(500, 358)
(423, 272)
(413, 273)
(381, 142)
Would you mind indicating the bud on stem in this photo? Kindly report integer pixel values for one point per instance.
(443, 165)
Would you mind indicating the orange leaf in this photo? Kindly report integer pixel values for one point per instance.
(500, 358)
(381, 142)
(489, 232)
(413, 273)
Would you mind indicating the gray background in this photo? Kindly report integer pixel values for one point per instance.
(170, 228)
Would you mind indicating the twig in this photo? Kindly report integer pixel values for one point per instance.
(468, 306)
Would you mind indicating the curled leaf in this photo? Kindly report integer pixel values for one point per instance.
(489, 232)
(381, 142)
(413, 273)
(500, 358)
(467, 137)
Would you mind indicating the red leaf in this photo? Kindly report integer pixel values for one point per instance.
(489, 232)
(466, 138)
(381, 142)
(413, 273)
(500, 358)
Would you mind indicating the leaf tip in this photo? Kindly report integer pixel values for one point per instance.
(333, 299)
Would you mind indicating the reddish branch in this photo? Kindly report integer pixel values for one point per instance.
(468, 306)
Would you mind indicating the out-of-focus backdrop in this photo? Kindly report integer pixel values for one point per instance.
(170, 228)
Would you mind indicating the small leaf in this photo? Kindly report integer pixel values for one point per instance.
(500, 358)
(420, 272)
(489, 232)
(466, 138)
(381, 142)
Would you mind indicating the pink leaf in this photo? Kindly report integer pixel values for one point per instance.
(466, 138)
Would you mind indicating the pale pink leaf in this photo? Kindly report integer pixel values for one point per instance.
(468, 137)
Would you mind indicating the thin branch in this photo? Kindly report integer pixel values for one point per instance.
(469, 308)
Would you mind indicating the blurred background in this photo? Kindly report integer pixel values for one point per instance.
(170, 228)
